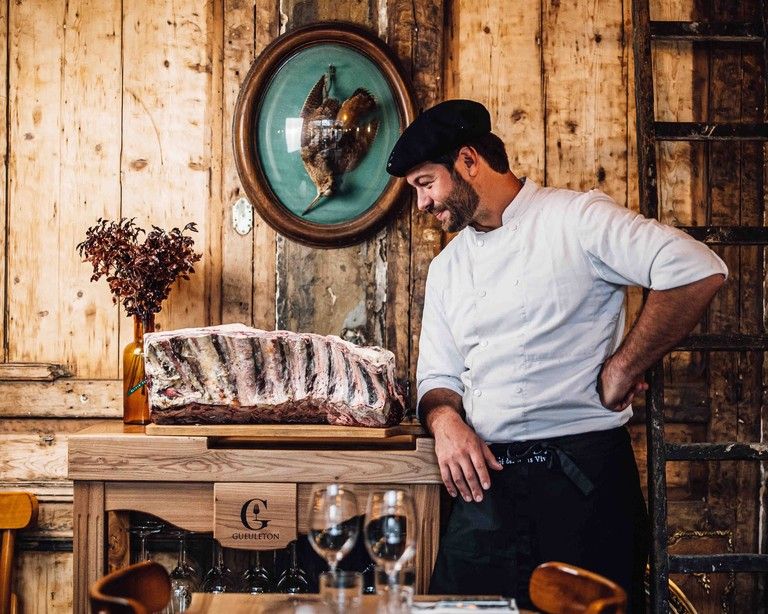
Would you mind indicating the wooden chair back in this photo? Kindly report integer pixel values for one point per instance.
(559, 588)
(18, 510)
(142, 588)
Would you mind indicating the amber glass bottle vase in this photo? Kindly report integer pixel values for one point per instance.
(135, 398)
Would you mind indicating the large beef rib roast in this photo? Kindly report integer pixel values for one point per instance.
(234, 374)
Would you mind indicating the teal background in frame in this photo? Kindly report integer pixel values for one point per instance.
(283, 99)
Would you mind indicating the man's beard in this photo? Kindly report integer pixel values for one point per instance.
(461, 203)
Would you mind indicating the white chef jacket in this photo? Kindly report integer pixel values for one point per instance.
(519, 320)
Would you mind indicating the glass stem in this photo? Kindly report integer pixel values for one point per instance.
(219, 556)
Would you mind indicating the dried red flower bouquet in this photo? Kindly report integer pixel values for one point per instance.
(139, 274)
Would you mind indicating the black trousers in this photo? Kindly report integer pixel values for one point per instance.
(536, 511)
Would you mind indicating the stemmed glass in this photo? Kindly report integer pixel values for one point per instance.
(293, 580)
(369, 579)
(390, 536)
(143, 529)
(189, 560)
(184, 577)
(256, 578)
(219, 579)
(333, 525)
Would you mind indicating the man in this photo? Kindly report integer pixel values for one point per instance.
(523, 377)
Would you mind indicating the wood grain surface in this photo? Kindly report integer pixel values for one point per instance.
(237, 513)
(279, 432)
(96, 454)
(258, 604)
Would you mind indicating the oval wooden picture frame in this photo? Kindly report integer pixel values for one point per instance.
(247, 115)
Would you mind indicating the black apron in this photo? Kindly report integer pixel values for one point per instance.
(574, 499)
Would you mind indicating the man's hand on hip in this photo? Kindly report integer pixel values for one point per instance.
(667, 317)
(463, 457)
(617, 388)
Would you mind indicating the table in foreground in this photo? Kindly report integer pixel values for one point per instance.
(239, 603)
(118, 469)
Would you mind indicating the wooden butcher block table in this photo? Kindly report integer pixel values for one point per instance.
(172, 472)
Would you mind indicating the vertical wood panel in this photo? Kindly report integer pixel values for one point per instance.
(674, 100)
(495, 58)
(393, 271)
(166, 161)
(35, 212)
(416, 35)
(44, 582)
(736, 171)
(634, 295)
(237, 250)
(725, 73)
(358, 11)
(395, 290)
(302, 12)
(633, 188)
(66, 62)
(90, 97)
(248, 293)
(89, 533)
(585, 67)
(3, 172)
(215, 122)
(328, 291)
(266, 28)
(752, 309)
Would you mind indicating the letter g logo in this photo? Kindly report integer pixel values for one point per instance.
(248, 516)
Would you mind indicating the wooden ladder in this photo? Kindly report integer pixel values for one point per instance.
(649, 133)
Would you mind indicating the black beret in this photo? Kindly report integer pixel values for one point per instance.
(437, 131)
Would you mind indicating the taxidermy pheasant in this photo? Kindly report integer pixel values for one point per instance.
(335, 136)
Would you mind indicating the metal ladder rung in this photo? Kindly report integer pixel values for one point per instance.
(710, 131)
(728, 235)
(713, 563)
(702, 31)
(716, 451)
(729, 342)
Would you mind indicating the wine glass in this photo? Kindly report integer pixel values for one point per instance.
(293, 580)
(189, 560)
(219, 579)
(369, 579)
(390, 530)
(143, 529)
(256, 578)
(333, 523)
(183, 578)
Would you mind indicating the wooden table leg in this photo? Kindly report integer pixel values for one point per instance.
(89, 540)
(427, 501)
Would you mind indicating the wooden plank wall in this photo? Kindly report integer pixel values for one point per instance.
(125, 108)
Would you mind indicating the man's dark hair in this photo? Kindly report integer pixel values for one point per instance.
(489, 147)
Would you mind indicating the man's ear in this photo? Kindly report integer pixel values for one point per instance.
(468, 159)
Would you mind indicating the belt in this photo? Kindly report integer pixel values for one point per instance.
(542, 452)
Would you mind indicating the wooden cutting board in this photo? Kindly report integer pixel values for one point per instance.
(291, 432)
